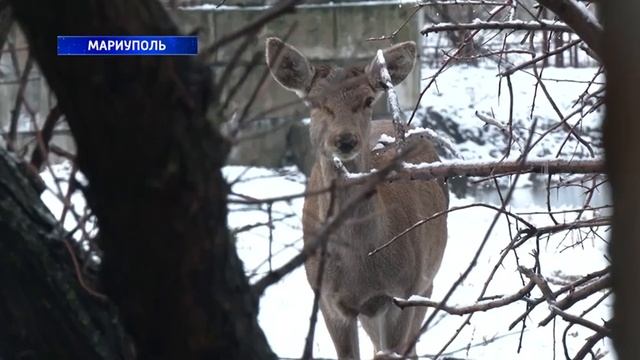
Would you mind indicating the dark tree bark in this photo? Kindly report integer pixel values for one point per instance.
(622, 145)
(153, 163)
(6, 20)
(44, 312)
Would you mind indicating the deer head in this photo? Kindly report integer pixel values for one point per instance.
(340, 99)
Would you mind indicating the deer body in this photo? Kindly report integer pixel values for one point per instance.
(356, 286)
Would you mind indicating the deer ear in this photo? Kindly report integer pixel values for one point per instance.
(400, 59)
(288, 66)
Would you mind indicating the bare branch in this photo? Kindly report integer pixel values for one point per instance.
(552, 229)
(580, 294)
(581, 321)
(439, 214)
(556, 307)
(482, 306)
(44, 135)
(588, 345)
(499, 25)
(587, 278)
(540, 58)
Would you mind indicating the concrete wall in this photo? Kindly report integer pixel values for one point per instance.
(322, 33)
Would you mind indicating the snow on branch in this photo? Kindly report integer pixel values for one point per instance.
(498, 25)
(392, 97)
(502, 127)
(445, 169)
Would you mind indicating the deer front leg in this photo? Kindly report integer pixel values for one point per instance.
(343, 329)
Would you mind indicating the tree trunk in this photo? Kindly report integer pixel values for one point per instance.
(44, 312)
(622, 130)
(558, 42)
(153, 163)
(545, 38)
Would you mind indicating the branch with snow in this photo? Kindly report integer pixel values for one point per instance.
(502, 127)
(392, 97)
(498, 25)
(445, 169)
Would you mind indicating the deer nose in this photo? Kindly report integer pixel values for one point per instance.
(346, 142)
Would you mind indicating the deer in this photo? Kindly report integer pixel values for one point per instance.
(355, 286)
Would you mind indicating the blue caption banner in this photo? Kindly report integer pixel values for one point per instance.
(127, 45)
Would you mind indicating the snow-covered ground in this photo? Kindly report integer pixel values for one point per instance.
(286, 307)
(461, 91)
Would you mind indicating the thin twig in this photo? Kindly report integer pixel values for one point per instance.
(540, 58)
(442, 213)
(498, 25)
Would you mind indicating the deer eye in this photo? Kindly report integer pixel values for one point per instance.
(368, 101)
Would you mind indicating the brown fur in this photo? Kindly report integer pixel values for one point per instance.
(356, 286)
